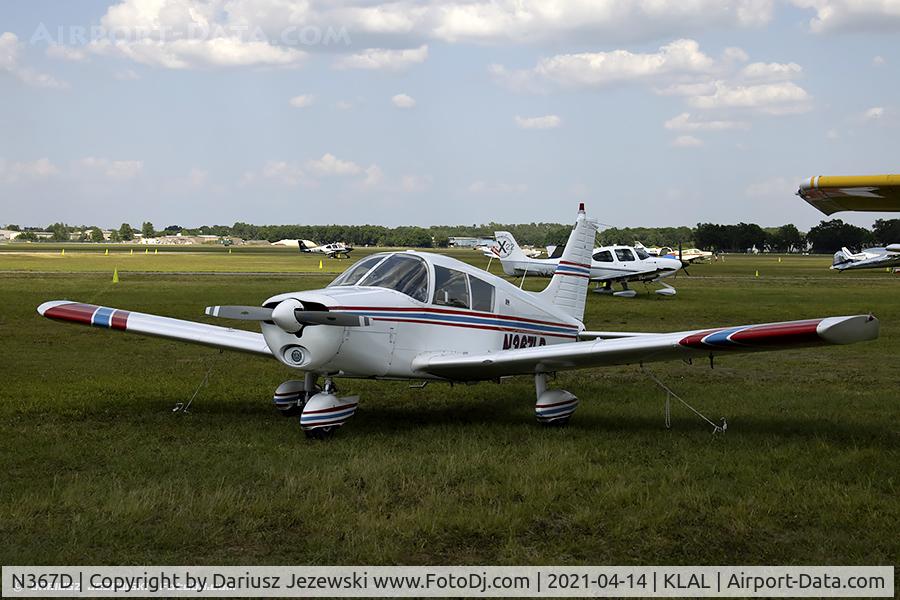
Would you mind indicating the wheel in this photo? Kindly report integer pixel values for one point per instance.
(320, 433)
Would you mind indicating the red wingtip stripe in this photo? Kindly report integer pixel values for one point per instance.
(74, 312)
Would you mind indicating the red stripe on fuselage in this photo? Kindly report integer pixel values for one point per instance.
(469, 313)
(566, 262)
(471, 326)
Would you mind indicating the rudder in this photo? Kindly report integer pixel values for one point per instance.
(568, 287)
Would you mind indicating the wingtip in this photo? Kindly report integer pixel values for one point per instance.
(849, 330)
(43, 308)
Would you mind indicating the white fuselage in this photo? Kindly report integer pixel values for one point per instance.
(402, 328)
(609, 263)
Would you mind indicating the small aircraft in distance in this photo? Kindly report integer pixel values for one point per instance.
(335, 250)
(427, 317)
(868, 258)
(608, 265)
(685, 255)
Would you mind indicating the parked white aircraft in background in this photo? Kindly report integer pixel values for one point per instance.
(685, 255)
(608, 265)
(423, 316)
(335, 250)
(868, 258)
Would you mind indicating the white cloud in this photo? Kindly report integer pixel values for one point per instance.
(281, 171)
(686, 141)
(772, 98)
(197, 177)
(833, 134)
(595, 69)
(481, 187)
(403, 101)
(330, 165)
(70, 53)
(415, 183)
(126, 75)
(220, 52)
(545, 122)
(301, 101)
(878, 61)
(383, 59)
(771, 72)
(9, 62)
(684, 122)
(374, 176)
(853, 15)
(343, 105)
(119, 170)
(874, 113)
(14, 172)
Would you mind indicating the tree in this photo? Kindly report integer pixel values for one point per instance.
(114, 236)
(126, 233)
(28, 236)
(786, 238)
(887, 232)
(147, 230)
(830, 236)
(12, 227)
(60, 232)
(96, 235)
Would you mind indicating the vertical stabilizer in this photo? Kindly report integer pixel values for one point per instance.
(568, 287)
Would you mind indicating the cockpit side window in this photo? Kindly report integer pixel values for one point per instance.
(450, 287)
(403, 273)
(352, 275)
(603, 256)
(642, 254)
(624, 254)
(482, 295)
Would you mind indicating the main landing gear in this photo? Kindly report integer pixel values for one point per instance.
(607, 288)
(321, 410)
(553, 407)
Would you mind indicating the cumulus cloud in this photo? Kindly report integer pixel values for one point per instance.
(853, 15)
(772, 98)
(301, 101)
(415, 183)
(545, 122)
(685, 122)
(383, 59)
(878, 61)
(596, 69)
(119, 170)
(771, 72)
(281, 171)
(686, 141)
(873, 114)
(10, 48)
(17, 171)
(482, 187)
(218, 52)
(403, 101)
(330, 165)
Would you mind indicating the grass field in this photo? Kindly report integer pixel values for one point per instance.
(97, 469)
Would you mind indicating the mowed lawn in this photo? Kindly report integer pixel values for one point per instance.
(97, 469)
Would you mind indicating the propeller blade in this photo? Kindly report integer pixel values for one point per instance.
(318, 317)
(240, 313)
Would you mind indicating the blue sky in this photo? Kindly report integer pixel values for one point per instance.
(403, 112)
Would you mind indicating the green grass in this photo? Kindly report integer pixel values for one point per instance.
(97, 469)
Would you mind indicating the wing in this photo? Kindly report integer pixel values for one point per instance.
(858, 193)
(165, 327)
(640, 348)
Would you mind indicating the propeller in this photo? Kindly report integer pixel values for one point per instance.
(684, 265)
(289, 315)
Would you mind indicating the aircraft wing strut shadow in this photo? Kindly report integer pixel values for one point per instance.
(427, 317)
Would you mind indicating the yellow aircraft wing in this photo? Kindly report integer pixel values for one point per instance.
(831, 194)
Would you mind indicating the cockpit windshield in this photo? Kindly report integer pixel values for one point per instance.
(403, 273)
(352, 275)
(642, 254)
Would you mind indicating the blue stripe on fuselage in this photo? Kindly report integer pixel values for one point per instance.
(473, 320)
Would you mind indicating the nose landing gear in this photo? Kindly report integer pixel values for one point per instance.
(325, 412)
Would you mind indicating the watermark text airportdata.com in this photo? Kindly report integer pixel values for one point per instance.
(461, 581)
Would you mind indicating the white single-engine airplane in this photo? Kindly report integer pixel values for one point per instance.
(608, 265)
(335, 250)
(685, 255)
(868, 258)
(421, 316)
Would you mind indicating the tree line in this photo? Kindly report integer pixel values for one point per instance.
(826, 237)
